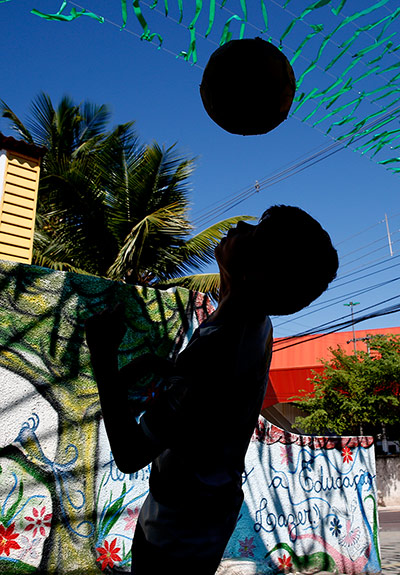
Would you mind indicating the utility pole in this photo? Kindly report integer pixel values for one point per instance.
(351, 305)
(388, 234)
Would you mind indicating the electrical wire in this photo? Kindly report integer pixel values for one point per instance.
(339, 327)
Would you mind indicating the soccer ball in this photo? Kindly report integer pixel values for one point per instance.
(248, 87)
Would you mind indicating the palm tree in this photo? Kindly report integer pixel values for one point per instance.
(110, 206)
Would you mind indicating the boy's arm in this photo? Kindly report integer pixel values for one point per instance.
(132, 449)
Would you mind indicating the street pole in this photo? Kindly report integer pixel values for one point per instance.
(351, 305)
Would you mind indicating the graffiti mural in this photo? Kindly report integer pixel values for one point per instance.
(54, 514)
(64, 505)
(310, 503)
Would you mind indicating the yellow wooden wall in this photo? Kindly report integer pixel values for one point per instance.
(18, 208)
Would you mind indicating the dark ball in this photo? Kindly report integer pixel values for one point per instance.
(248, 87)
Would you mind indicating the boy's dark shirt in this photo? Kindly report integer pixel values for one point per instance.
(204, 422)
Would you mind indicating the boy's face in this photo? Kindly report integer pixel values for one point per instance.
(231, 252)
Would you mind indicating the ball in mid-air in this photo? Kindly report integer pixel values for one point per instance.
(248, 86)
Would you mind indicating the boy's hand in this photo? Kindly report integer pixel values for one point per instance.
(105, 330)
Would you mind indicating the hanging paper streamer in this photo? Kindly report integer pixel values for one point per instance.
(59, 16)
(346, 60)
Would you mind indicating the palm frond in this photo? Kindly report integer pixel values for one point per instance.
(207, 284)
(16, 124)
(41, 121)
(199, 250)
(94, 120)
(168, 221)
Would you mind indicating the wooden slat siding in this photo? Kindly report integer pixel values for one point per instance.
(14, 251)
(21, 172)
(13, 240)
(18, 208)
(18, 191)
(21, 182)
(12, 258)
(19, 200)
(14, 230)
(14, 209)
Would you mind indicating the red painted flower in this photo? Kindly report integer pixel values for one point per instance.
(347, 455)
(285, 563)
(7, 539)
(39, 521)
(108, 554)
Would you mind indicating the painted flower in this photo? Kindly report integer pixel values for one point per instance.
(108, 554)
(131, 520)
(7, 539)
(335, 527)
(247, 547)
(38, 522)
(285, 563)
(351, 537)
(29, 548)
(347, 455)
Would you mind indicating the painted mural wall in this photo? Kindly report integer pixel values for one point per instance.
(65, 507)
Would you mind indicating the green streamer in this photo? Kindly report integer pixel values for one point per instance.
(349, 117)
(373, 46)
(316, 30)
(303, 98)
(264, 15)
(388, 48)
(309, 69)
(313, 6)
(390, 161)
(337, 10)
(124, 11)
(226, 35)
(390, 19)
(244, 21)
(390, 68)
(192, 52)
(211, 17)
(146, 35)
(393, 91)
(378, 142)
(58, 16)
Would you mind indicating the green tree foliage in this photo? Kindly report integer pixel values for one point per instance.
(355, 390)
(110, 206)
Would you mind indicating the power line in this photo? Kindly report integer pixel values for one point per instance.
(293, 169)
(338, 327)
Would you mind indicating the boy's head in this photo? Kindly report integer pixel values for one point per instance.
(288, 259)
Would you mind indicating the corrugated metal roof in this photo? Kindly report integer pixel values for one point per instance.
(292, 366)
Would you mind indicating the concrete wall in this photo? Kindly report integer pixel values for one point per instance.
(64, 506)
(388, 479)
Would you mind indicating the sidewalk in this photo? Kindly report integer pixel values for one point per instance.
(389, 536)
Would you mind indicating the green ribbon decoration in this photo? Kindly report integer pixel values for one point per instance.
(226, 35)
(192, 52)
(337, 10)
(264, 15)
(211, 17)
(316, 30)
(146, 35)
(124, 11)
(59, 17)
(313, 6)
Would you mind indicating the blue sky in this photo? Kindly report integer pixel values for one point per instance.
(347, 192)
